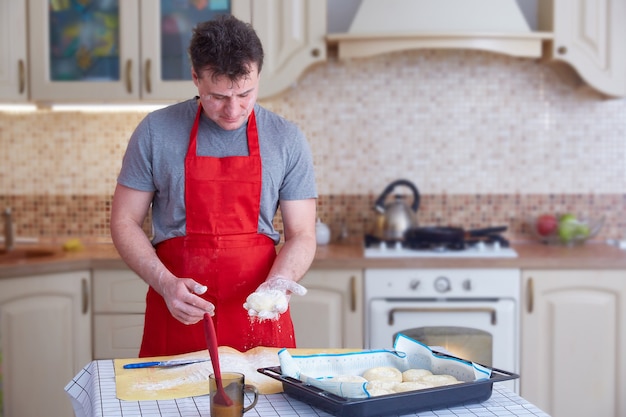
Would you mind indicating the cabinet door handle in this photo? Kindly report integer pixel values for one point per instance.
(530, 297)
(85, 288)
(353, 293)
(22, 76)
(147, 71)
(491, 311)
(128, 76)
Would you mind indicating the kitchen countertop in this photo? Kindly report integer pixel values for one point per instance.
(346, 256)
(93, 394)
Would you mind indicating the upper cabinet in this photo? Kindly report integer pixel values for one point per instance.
(589, 35)
(116, 51)
(293, 33)
(585, 34)
(395, 25)
(84, 51)
(13, 81)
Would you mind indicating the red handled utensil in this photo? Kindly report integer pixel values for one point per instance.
(211, 341)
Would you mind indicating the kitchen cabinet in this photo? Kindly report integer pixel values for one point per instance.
(293, 33)
(13, 81)
(119, 303)
(45, 339)
(139, 37)
(574, 341)
(588, 35)
(330, 315)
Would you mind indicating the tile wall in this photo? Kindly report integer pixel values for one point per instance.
(488, 140)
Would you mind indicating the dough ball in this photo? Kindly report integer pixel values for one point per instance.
(381, 385)
(385, 373)
(411, 386)
(414, 374)
(439, 380)
(375, 392)
(266, 301)
(349, 378)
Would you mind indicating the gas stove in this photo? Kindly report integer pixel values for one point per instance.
(471, 248)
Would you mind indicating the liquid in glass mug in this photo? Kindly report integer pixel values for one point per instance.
(235, 386)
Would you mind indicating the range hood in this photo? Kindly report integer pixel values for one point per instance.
(382, 26)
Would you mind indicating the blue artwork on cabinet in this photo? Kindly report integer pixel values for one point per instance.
(178, 18)
(85, 37)
(84, 40)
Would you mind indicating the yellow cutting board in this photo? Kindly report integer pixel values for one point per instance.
(192, 380)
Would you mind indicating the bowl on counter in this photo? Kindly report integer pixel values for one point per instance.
(564, 229)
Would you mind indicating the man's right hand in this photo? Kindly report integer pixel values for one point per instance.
(183, 302)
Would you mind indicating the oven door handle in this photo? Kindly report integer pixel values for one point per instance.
(443, 310)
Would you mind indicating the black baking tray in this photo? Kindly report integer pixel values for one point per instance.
(392, 404)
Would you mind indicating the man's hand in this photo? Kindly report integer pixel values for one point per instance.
(271, 299)
(183, 302)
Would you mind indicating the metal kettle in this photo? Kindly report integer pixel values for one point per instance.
(398, 216)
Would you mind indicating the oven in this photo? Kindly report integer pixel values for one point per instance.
(471, 313)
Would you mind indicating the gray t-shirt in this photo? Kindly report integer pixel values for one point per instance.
(155, 162)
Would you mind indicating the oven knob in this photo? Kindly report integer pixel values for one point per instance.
(442, 284)
(414, 284)
(467, 285)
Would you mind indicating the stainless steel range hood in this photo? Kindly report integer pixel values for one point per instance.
(382, 26)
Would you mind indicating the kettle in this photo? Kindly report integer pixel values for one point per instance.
(396, 217)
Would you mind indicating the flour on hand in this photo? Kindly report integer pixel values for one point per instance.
(266, 305)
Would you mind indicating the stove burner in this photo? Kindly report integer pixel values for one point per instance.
(412, 242)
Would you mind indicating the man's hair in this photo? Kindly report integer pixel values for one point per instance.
(225, 46)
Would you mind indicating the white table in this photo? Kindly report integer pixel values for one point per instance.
(92, 392)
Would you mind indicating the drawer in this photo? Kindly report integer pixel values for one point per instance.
(118, 291)
(117, 335)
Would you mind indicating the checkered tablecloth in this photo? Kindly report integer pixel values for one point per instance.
(92, 392)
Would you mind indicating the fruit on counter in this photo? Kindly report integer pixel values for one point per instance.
(546, 224)
(571, 228)
(73, 245)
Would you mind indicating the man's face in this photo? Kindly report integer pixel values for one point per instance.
(225, 102)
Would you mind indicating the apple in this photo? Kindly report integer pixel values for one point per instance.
(570, 228)
(546, 224)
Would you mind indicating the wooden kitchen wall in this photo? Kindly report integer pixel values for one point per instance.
(487, 139)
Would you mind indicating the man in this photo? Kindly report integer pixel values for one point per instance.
(214, 169)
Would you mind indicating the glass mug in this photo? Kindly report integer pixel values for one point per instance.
(235, 386)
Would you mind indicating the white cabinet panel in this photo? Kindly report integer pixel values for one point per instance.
(117, 335)
(118, 291)
(13, 62)
(45, 339)
(573, 338)
(330, 315)
(119, 306)
(589, 35)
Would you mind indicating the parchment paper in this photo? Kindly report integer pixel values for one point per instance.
(193, 380)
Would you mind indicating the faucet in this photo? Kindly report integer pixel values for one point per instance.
(9, 238)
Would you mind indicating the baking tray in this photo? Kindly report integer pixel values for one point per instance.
(391, 404)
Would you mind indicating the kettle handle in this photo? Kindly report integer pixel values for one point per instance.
(379, 205)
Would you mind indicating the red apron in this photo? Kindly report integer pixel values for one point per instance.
(222, 250)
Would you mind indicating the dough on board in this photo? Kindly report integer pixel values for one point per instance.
(385, 373)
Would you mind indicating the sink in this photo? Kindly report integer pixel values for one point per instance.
(25, 254)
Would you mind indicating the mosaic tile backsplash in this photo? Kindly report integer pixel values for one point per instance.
(488, 140)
